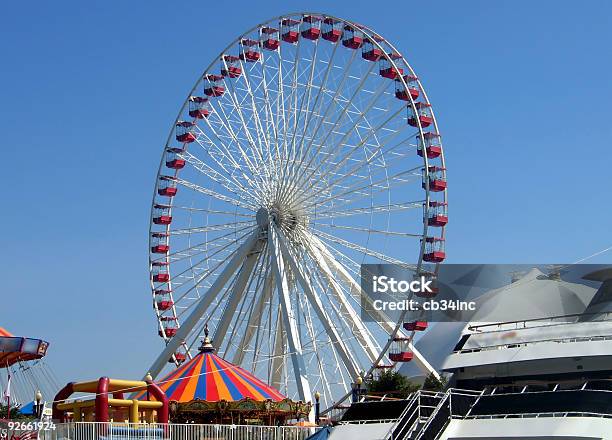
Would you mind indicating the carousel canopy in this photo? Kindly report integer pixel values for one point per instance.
(211, 378)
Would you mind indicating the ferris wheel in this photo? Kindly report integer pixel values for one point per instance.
(306, 148)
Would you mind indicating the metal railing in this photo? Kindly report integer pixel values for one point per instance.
(127, 431)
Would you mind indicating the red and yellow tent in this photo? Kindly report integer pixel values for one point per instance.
(208, 377)
(211, 378)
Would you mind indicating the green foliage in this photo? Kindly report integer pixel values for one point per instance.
(392, 383)
(15, 414)
(433, 384)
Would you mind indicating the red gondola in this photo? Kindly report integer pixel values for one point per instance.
(160, 243)
(399, 351)
(249, 50)
(405, 94)
(165, 304)
(431, 147)
(167, 186)
(418, 326)
(423, 111)
(332, 29)
(199, 107)
(437, 179)
(387, 69)
(353, 38)
(434, 250)
(168, 332)
(311, 27)
(402, 356)
(437, 214)
(161, 214)
(173, 158)
(180, 357)
(230, 66)
(370, 51)
(212, 85)
(290, 30)
(426, 294)
(160, 272)
(185, 131)
(268, 38)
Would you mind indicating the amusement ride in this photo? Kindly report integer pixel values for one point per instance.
(306, 148)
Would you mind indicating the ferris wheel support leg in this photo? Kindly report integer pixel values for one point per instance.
(276, 372)
(290, 322)
(254, 319)
(313, 297)
(203, 304)
(237, 294)
(389, 326)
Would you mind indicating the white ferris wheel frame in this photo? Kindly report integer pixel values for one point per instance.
(245, 257)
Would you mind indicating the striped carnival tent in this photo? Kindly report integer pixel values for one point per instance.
(207, 388)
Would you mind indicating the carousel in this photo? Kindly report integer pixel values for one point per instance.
(208, 389)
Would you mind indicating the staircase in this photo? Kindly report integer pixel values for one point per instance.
(428, 414)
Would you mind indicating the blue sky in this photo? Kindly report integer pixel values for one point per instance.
(89, 91)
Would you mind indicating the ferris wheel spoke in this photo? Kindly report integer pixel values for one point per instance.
(360, 165)
(229, 184)
(207, 144)
(308, 179)
(347, 311)
(370, 231)
(368, 210)
(214, 194)
(209, 228)
(308, 86)
(354, 288)
(353, 246)
(220, 122)
(311, 110)
(290, 158)
(371, 185)
(271, 120)
(212, 211)
(353, 172)
(338, 88)
(180, 254)
(280, 106)
(256, 147)
(315, 301)
(321, 119)
(261, 133)
(345, 109)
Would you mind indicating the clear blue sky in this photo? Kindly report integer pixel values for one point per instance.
(89, 90)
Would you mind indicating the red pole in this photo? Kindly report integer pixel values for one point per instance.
(8, 393)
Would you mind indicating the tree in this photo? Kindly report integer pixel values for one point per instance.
(394, 383)
(434, 384)
(15, 414)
